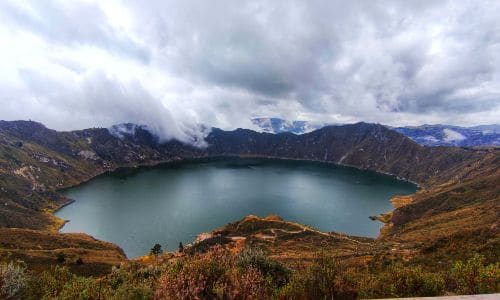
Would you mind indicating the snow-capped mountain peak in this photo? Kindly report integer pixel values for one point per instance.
(426, 135)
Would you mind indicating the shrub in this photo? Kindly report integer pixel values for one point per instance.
(210, 275)
(137, 291)
(219, 274)
(323, 279)
(474, 277)
(132, 281)
(48, 284)
(124, 283)
(199, 278)
(252, 285)
(401, 281)
(81, 288)
(13, 279)
(61, 257)
(275, 273)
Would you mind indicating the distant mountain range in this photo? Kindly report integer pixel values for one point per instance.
(447, 135)
(427, 135)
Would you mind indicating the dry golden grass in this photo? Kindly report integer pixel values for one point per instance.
(399, 201)
(39, 249)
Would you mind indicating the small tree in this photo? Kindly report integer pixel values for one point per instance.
(156, 250)
(61, 257)
(181, 247)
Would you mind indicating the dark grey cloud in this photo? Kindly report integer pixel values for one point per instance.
(288, 49)
(176, 64)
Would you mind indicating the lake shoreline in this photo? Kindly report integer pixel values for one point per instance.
(247, 160)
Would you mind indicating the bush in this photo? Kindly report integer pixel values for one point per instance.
(401, 281)
(79, 261)
(48, 284)
(200, 278)
(251, 285)
(219, 274)
(81, 288)
(323, 279)
(61, 257)
(125, 283)
(474, 277)
(13, 279)
(137, 291)
(275, 273)
(211, 275)
(132, 281)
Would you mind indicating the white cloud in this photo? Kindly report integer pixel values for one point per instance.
(452, 135)
(176, 64)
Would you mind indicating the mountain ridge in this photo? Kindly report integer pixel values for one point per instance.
(426, 135)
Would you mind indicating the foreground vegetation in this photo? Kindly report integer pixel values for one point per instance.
(250, 274)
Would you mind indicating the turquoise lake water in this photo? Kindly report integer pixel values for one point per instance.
(173, 203)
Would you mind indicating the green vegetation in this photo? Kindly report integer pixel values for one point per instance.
(473, 277)
(156, 250)
(61, 257)
(219, 274)
(79, 261)
(13, 279)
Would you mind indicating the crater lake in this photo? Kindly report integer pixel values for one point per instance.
(172, 203)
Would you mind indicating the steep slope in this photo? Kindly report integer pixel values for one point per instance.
(454, 219)
(36, 161)
(361, 145)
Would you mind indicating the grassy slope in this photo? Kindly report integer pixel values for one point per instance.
(39, 249)
(29, 175)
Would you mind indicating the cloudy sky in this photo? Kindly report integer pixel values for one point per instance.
(175, 64)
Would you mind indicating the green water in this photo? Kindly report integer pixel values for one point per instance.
(174, 203)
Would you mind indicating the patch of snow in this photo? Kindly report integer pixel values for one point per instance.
(452, 135)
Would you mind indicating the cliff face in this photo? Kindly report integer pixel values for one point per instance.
(36, 161)
(362, 145)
